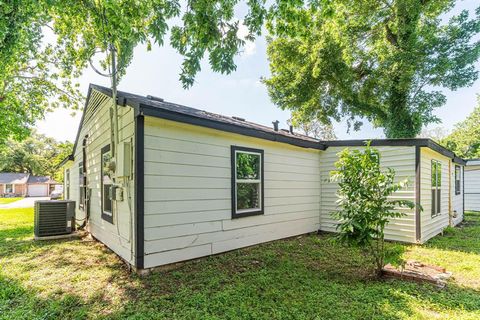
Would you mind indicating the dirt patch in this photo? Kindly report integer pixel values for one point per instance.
(419, 272)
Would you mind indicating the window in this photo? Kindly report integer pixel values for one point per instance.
(81, 183)
(9, 188)
(106, 183)
(247, 182)
(67, 184)
(457, 179)
(436, 187)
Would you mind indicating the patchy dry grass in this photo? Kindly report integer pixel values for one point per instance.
(309, 277)
(8, 200)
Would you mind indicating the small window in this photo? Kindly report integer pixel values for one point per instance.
(436, 187)
(106, 183)
(67, 184)
(9, 188)
(247, 182)
(81, 184)
(457, 179)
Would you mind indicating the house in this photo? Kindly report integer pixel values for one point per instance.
(472, 185)
(190, 183)
(25, 185)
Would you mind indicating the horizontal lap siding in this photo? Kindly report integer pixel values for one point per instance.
(188, 192)
(402, 160)
(431, 226)
(472, 188)
(118, 238)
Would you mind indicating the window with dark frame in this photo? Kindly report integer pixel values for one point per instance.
(81, 180)
(436, 187)
(67, 184)
(247, 182)
(106, 183)
(458, 173)
(9, 188)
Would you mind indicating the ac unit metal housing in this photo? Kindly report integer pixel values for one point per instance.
(54, 217)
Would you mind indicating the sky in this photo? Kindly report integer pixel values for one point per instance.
(240, 93)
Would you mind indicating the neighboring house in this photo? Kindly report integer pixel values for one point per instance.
(25, 185)
(191, 183)
(472, 185)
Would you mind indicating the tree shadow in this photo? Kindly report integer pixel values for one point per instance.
(464, 237)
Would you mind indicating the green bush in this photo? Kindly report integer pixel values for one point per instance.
(363, 198)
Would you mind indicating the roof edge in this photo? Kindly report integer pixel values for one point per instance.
(406, 142)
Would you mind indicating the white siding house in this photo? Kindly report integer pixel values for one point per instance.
(472, 185)
(190, 183)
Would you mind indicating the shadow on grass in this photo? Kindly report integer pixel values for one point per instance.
(465, 237)
(301, 278)
(274, 281)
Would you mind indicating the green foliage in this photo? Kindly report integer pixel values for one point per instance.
(37, 155)
(465, 138)
(307, 277)
(30, 80)
(36, 77)
(363, 198)
(369, 59)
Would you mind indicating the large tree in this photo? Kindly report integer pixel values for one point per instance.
(378, 60)
(465, 138)
(37, 155)
(36, 76)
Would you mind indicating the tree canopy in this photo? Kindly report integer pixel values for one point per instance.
(465, 138)
(37, 155)
(378, 60)
(36, 76)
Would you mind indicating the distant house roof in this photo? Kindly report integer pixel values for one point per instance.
(40, 180)
(13, 178)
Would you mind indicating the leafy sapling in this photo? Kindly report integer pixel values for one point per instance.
(364, 200)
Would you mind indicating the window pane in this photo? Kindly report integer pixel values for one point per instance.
(248, 166)
(439, 174)
(434, 202)
(434, 172)
(106, 157)
(107, 203)
(248, 196)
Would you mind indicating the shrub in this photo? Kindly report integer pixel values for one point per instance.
(363, 198)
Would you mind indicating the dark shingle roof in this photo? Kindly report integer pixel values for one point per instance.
(13, 178)
(41, 179)
(157, 107)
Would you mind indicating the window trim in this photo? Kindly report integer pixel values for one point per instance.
(434, 210)
(5, 188)
(233, 158)
(107, 216)
(458, 178)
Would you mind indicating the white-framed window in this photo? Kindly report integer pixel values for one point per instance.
(9, 188)
(247, 181)
(436, 187)
(81, 179)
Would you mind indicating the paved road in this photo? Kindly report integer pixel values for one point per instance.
(23, 203)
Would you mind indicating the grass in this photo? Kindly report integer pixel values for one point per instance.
(308, 277)
(8, 200)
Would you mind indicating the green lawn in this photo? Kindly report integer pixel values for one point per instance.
(307, 277)
(8, 200)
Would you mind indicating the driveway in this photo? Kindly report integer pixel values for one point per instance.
(23, 203)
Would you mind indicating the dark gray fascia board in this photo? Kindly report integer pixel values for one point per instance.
(217, 125)
(420, 142)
